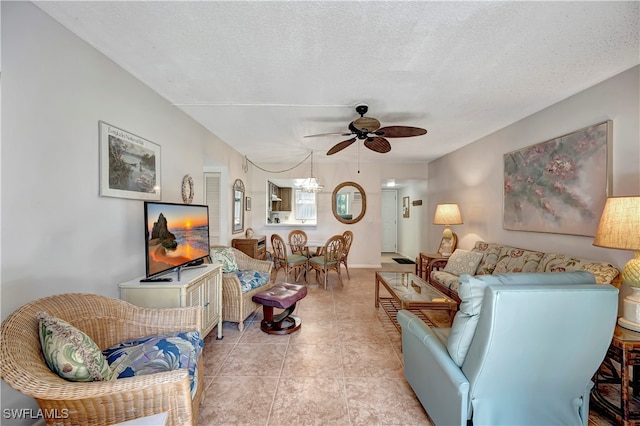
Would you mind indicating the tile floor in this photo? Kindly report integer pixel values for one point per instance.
(343, 367)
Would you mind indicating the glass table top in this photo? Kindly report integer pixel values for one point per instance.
(408, 287)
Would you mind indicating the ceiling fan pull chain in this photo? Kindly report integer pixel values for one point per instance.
(358, 158)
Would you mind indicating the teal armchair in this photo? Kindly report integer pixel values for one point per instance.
(521, 351)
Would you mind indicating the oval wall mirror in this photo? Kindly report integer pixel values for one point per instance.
(348, 202)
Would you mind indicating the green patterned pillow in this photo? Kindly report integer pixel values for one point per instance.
(226, 257)
(70, 353)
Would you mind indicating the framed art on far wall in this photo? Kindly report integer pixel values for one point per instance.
(560, 185)
(247, 202)
(405, 206)
(129, 165)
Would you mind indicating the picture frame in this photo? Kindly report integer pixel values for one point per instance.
(448, 245)
(129, 164)
(405, 206)
(559, 186)
(247, 202)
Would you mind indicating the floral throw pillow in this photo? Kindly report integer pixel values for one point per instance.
(226, 257)
(463, 262)
(158, 353)
(70, 353)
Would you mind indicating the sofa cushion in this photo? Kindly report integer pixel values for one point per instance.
(514, 259)
(154, 354)
(250, 279)
(463, 262)
(226, 257)
(490, 254)
(446, 279)
(70, 353)
(471, 292)
(557, 262)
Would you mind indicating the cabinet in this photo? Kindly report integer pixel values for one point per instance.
(199, 286)
(285, 196)
(255, 247)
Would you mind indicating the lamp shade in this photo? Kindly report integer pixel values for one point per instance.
(619, 226)
(447, 214)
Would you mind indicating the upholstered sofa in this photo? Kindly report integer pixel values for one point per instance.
(493, 258)
(521, 350)
(242, 277)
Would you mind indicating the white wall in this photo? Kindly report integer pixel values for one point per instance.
(473, 175)
(365, 251)
(58, 235)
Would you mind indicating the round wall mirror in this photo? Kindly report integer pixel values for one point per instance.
(348, 202)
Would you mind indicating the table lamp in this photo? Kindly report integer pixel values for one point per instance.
(447, 214)
(619, 228)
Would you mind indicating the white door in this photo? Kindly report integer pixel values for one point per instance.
(389, 220)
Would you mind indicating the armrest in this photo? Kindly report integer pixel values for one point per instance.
(437, 381)
(436, 264)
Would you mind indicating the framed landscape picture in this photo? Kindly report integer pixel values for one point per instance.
(129, 164)
(560, 185)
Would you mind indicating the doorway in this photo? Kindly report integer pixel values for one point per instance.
(389, 220)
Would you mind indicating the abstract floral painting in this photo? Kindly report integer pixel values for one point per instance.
(561, 185)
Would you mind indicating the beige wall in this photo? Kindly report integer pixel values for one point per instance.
(473, 175)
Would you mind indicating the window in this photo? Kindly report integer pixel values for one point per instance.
(342, 204)
(305, 205)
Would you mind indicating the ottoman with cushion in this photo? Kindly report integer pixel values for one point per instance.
(282, 296)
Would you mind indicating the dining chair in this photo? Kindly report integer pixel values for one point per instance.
(348, 239)
(330, 259)
(293, 262)
(298, 242)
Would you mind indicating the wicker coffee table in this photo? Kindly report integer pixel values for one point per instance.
(410, 292)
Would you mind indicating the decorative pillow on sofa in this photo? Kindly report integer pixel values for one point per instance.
(154, 354)
(463, 262)
(471, 292)
(490, 254)
(70, 353)
(226, 257)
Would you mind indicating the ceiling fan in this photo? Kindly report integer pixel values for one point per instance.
(369, 130)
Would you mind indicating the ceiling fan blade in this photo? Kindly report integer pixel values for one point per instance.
(366, 123)
(378, 144)
(400, 131)
(328, 134)
(340, 146)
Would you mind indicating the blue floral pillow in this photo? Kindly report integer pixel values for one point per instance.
(250, 279)
(154, 354)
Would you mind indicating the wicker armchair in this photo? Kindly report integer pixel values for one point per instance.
(107, 321)
(237, 306)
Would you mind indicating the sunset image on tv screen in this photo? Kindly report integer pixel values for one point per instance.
(177, 234)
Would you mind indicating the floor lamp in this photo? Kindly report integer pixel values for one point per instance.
(619, 228)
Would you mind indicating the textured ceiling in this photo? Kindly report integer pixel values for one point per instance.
(261, 75)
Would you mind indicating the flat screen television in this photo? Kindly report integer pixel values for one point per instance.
(176, 235)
